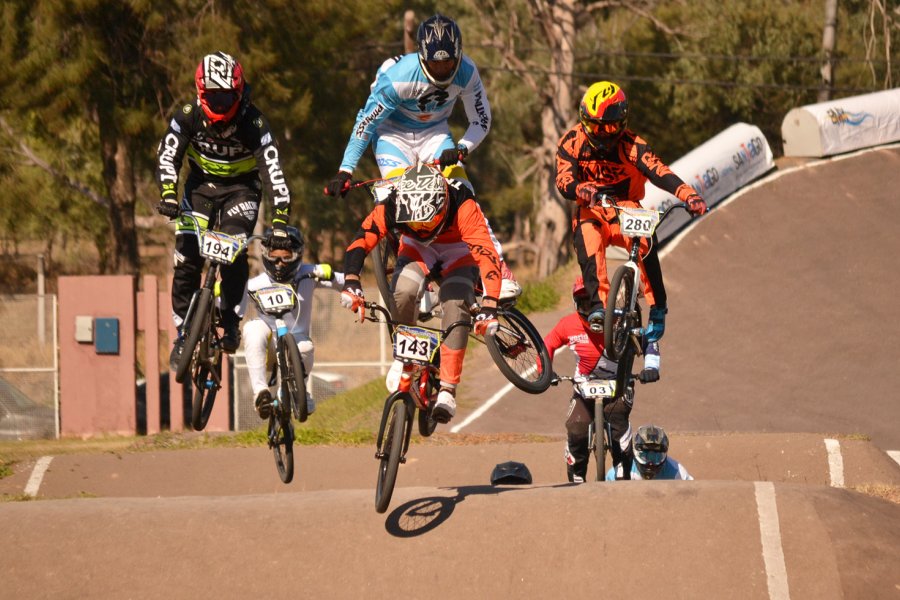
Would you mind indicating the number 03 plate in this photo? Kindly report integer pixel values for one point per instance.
(415, 344)
(597, 388)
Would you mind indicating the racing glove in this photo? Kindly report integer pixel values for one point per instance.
(649, 375)
(168, 207)
(323, 272)
(340, 185)
(591, 194)
(486, 321)
(352, 297)
(695, 204)
(451, 156)
(650, 372)
(280, 239)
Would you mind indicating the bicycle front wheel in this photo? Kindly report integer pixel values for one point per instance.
(281, 440)
(206, 385)
(617, 324)
(384, 259)
(519, 352)
(293, 378)
(426, 423)
(391, 452)
(598, 441)
(197, 325)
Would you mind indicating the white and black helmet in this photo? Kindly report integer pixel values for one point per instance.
(283, 269)
(651, 446)
(420, 201)
(439, 39)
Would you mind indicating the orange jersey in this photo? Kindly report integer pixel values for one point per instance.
(464, 223)
(622, 173)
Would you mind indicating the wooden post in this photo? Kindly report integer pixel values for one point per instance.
(828, 36)
(150, 320)
(409, 31)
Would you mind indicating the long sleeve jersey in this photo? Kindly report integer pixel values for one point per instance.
(464, 223)
(622, 173)
(403, 97)
(244, 151)
(672, 469)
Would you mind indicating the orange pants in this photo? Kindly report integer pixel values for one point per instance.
(593, 235)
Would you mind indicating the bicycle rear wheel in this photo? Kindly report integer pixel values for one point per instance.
(197, 325)
(293, 378)
(598, 440)
(390, 450)
(519, 352)
(384, 259)
(281, 440)
(206, 386)
(617, 325)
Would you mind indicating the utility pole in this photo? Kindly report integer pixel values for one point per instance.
(41, 311)
(828, 36)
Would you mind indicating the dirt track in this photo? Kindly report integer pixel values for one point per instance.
(771, 329)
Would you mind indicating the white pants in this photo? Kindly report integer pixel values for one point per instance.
(259, 351)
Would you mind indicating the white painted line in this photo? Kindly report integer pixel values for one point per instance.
(770, 533)
(895, 454)
(37, 475)
(483, 408)
(835, 463)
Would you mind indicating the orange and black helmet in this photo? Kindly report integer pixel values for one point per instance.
(604, 114)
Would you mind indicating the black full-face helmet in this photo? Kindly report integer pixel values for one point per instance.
(651, 447)
(280, 267)
(440, 49)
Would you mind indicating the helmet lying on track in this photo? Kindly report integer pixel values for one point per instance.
(604, 114)
(220, 86)
(420, 202)
(651, 445)
(282, 264)
(440, 49)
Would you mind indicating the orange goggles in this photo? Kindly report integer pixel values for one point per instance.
(603, 128)
(425, 227)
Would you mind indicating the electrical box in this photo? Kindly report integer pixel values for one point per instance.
(106, 339)
(84, 329)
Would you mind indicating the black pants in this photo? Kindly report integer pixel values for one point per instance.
(239, 208)
(581, 414)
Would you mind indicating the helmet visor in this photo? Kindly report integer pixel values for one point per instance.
(650, 457)
(424, 229)
(220, 101)
(279, 256)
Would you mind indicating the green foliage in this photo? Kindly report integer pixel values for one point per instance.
(538, 296)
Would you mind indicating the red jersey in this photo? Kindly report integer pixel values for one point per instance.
(587, 346)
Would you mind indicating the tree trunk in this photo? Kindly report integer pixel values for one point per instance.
(118, 175)
(828, 36)
(552, 229)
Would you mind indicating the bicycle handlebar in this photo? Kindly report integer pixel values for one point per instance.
(375, 307)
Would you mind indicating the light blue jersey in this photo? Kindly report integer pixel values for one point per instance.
(405, 103)
(672, 469)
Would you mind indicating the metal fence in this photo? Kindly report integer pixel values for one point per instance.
(348, 354)
(29, 368)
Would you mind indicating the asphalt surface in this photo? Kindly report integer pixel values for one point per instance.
(778, 391)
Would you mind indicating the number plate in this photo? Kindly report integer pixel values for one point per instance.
(637, 222)
(275, 299)
(416, 344)
(597, 388)
(219, 247)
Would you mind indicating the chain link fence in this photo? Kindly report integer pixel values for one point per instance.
(29, 373)
(348, 354)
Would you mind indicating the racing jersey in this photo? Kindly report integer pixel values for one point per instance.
(402, 97)
(243, 151)
(299, 318)
(672, 469)
(622, 173)
(464, 223)
(587, 345)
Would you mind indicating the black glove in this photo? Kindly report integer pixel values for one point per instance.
(279, 240)
(649, 375)
(451, 156)
(340, 185)
(168, 207)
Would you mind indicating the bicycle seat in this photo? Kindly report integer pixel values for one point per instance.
(511, 473)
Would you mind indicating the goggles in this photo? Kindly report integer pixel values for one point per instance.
(281, 259)
(650, 457)
(424, 228)
(603, 128)
(220, 101)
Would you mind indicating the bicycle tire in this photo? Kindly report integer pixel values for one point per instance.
(426, 423)
(197, 326)
(293, 380)
(384, 261)
(519, 352)
(205, 390)
(281, 440)
(392, 451)
(599, 441)
(617, 324)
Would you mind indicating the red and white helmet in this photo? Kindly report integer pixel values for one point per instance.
(220, 86)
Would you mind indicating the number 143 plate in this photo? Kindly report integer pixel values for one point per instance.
(416, 344)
